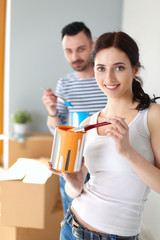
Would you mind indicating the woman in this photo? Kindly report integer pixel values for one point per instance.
(123, 158)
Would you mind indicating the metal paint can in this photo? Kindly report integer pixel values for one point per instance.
(75, 118)
(67, 150)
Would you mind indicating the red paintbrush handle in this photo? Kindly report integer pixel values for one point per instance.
(54, 95)
(96, 125)
(49, 89)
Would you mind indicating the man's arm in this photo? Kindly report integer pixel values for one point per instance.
(50, 102)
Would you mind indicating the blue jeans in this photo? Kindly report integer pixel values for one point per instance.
(66, 200)
(82, 233)
(66, 230)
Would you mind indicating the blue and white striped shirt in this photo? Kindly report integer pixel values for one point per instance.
(84, 94)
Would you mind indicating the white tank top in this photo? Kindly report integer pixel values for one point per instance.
(113, 199)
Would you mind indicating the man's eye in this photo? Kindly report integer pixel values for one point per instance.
(80, 49)
(68, 51)
(100, 69)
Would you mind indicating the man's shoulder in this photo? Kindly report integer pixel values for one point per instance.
(74, 76)
(68, 76)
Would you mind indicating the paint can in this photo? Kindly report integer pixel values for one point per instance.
(75, 118)
(67, 150)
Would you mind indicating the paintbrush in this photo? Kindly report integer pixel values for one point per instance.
(89, 126)
(64, 101)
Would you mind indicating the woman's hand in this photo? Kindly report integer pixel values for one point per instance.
(74, 181)
(68, 177)
(119, 132)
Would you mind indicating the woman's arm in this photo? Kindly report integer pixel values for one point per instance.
(149, 173)
(74, 181)
(74, 185)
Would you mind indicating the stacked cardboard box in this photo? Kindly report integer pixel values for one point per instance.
(30, 202)
(34, 145)
(50, 232)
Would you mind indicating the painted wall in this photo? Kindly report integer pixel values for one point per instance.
(141, 19)
(36, 56)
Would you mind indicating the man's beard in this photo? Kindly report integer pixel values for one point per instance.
(81, 67)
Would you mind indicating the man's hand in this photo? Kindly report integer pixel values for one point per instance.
(50, 101)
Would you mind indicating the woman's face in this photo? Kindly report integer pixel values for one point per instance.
(114, 72)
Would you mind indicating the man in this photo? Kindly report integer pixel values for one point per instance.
(79, 88)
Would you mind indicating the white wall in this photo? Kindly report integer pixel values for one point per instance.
(141, 19)
(36, 56)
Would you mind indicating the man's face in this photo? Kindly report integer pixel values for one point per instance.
(77, 50)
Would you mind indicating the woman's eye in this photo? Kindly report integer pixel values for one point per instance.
(100, 69)
(119, 68)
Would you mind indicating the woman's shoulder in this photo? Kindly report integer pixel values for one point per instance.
(154, 109)
(154, 116)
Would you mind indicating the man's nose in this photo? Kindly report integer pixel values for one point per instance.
(75, 56)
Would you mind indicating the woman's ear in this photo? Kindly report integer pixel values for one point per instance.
(135, 71)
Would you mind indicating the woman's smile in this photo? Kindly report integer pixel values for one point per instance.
(111, 87)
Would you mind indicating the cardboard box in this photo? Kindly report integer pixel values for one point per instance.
(7, 233)
(29, 194)
(50, 232)
(36, 145)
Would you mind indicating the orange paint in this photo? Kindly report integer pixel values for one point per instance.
(71, 146)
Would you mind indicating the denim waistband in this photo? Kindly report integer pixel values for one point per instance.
(81, 232)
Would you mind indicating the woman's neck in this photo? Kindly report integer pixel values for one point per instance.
(121, 108)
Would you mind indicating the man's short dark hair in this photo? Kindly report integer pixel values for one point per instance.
(74, 28)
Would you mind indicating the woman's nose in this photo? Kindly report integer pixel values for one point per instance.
(109, 78)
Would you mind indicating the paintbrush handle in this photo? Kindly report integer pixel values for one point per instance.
(88, 127)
